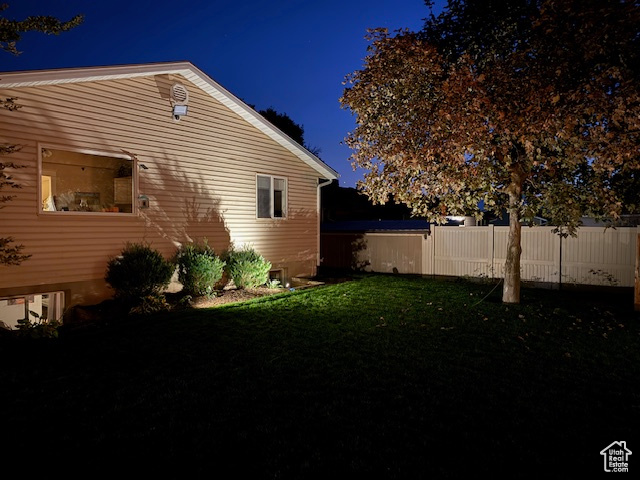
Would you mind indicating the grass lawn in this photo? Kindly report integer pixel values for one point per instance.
(380, 377)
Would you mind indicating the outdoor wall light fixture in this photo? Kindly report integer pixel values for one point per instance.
(142, 166)
(179, 110)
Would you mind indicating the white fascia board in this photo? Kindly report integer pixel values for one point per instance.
(187, 70)
(32, 78)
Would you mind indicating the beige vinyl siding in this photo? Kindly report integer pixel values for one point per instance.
(200, 180)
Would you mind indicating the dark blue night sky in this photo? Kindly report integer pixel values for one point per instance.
(291, 55)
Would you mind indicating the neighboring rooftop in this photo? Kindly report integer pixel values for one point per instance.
(349, 226)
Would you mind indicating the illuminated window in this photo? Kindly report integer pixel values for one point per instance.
(41, 307)
(77, 181)
(271, 197)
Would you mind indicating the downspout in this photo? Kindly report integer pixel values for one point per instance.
(319, 208)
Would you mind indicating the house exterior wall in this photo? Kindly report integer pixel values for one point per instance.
(200, 181)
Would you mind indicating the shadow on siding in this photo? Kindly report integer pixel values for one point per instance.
(183, 207)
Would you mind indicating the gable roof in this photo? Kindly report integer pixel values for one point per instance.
(187, 70)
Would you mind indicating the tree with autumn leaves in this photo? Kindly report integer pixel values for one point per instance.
(525, 106)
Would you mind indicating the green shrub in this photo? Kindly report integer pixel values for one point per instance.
(199, 268)
(247, 268)
(138, 271)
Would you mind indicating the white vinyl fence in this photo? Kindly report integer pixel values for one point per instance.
(597, 256)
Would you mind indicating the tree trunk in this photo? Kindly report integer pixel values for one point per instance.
(511, 291)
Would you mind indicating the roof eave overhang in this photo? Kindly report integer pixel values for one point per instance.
(185, 69)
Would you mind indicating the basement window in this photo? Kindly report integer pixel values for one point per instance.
(271, 197)
(40, 307)
(277, 276)
(83, 181)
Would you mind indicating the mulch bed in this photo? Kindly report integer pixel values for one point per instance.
(111, 310)
(233, 295)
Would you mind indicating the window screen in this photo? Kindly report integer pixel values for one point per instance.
(271, 197)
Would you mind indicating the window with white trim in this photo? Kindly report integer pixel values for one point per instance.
(38, 308)
(271, 196)
(83, 181)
